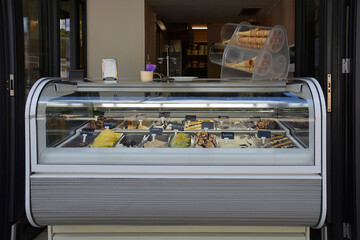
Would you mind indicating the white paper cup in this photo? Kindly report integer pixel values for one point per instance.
(146, 76)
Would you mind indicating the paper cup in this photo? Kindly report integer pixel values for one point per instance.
(146, 76)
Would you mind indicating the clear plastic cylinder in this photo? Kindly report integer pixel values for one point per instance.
(227, 31)
(216, 53)
(252, 52)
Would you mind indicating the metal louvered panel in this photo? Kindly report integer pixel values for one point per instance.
(244, 236)
(176, 201)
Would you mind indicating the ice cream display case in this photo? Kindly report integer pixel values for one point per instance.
(209, 152)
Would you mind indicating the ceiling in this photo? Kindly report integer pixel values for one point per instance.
(209, 11)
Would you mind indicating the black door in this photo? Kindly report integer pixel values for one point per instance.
(353, 96)
(14, 224)
(36, 36)
(4, 226)
(327, 48)
(344, 120)
(339, 76)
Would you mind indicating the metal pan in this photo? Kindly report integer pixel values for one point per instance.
(130, 140)
(216, 140)
(164, 138)
(191, 140)
(242, 136)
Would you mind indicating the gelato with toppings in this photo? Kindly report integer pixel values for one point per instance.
(278, 141)
(205, 140)
(196, 125)
(266, 124)
(193, 125)
(164, 125)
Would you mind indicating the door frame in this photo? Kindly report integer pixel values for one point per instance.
(354, 118)
(4, 188)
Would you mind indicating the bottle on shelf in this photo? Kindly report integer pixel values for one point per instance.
(194, 64)
(195, 51)
(202, 50)
(189, 51)
(148, 59)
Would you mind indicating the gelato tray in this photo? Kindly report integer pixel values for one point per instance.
(264, 124)
(130, 141)
(239, 141)
(102, 122)
(297, 125)
(136, 124)
(277, 141)
(303, 138)
(166, 125)
(205, 140)
(181, 140)
(196, 125)
(106, 139)
(233, 125)
(160, 141)
(80, 141)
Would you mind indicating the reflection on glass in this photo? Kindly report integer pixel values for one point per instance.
(284, 116)
(31, 43)
(64, 15)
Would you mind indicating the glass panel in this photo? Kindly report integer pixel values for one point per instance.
(31, 43)
(64, 15)
(82, 29)
(216, 128)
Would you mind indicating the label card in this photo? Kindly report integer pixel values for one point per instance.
(178, 126)
(109, 124)
(208, 125)
(190, 117)
(87, 131)
(164, 114)
(266, 134)
(229, 135)
(157, 131)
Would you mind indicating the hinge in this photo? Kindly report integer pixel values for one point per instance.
(347, 230)
(11, 85)
(346, 65)
(328, 89)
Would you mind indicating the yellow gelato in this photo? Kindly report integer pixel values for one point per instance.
(106, 138)
(181, 140)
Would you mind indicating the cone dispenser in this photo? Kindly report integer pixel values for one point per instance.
(252, 52)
